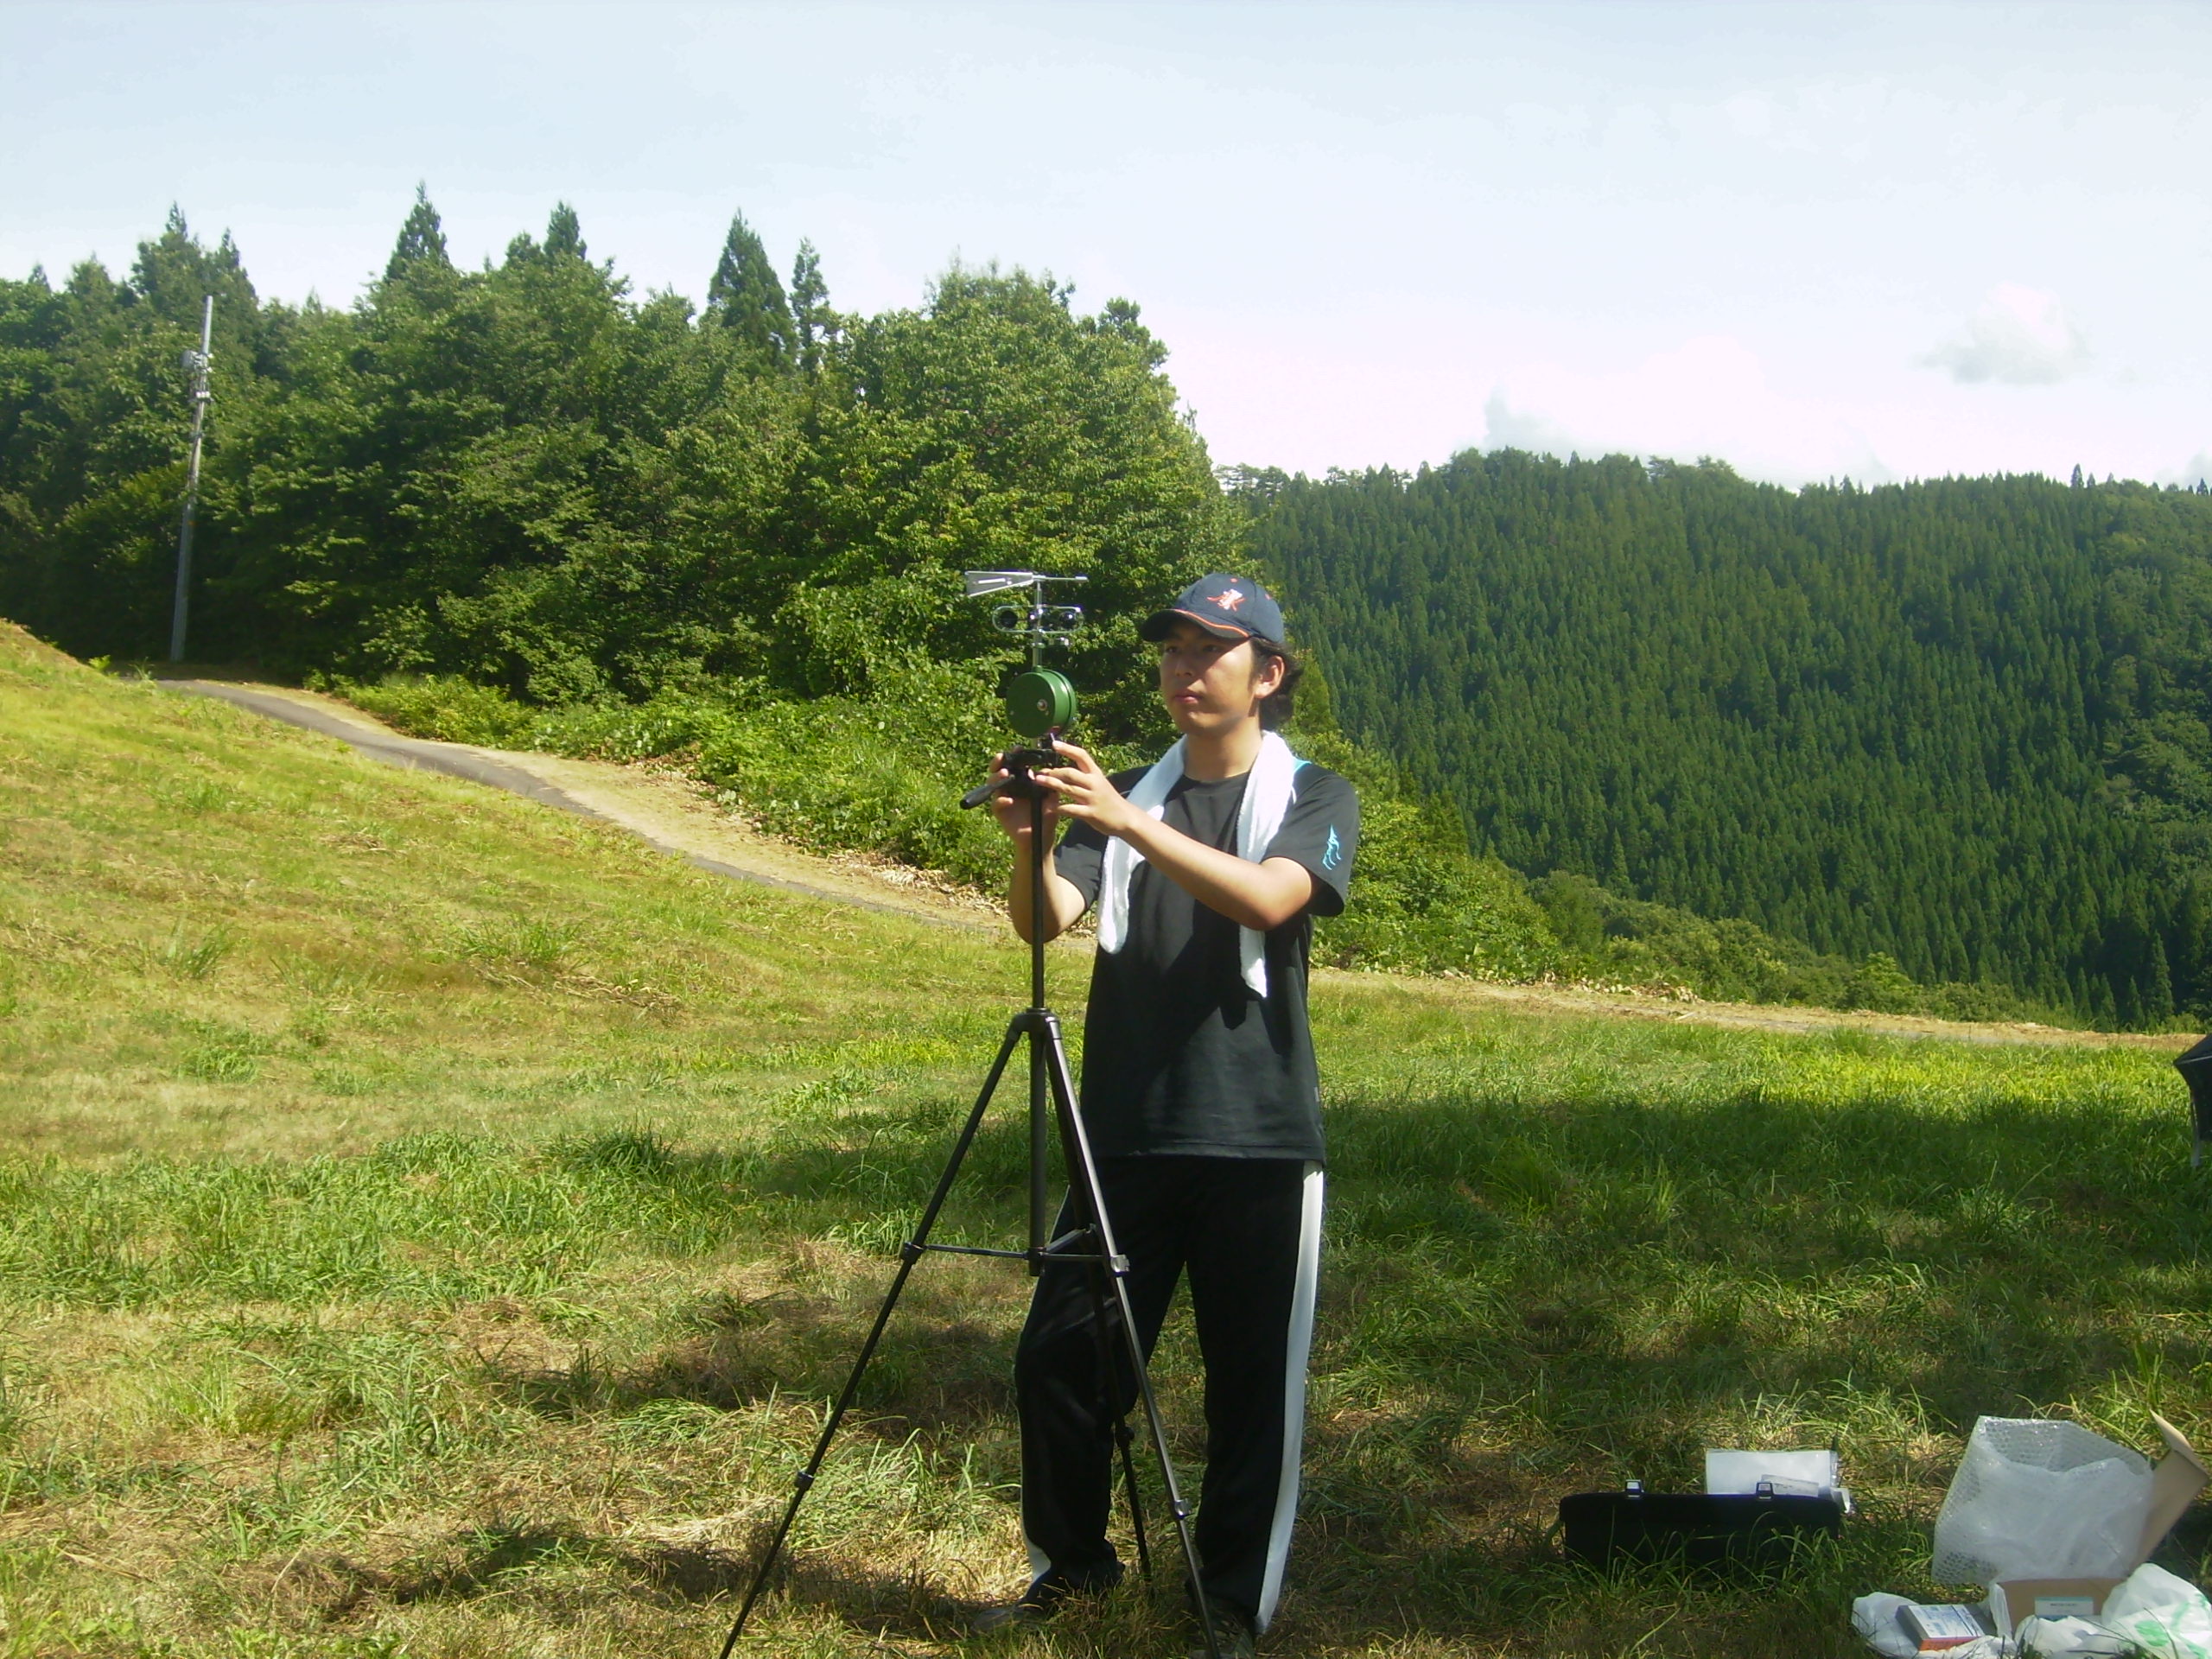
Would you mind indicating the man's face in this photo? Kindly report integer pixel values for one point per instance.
(1209, 683)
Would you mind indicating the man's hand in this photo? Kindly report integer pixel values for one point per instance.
(1082, 790)
(1050, 914)
(1012, 812)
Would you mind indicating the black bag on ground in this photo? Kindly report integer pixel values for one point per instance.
(1711, 1531)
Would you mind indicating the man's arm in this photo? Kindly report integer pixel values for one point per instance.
(1263, 895)
(1064, 902)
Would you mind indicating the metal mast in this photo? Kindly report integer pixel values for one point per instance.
(195, 365)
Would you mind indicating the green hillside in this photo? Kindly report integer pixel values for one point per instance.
(429, 1223)
(1962, 723)
(520, 505)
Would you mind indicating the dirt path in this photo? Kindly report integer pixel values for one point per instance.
(1762, 1016)
(663, 808)
(673, 812)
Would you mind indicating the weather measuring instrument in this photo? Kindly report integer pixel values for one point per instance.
(1039, 705)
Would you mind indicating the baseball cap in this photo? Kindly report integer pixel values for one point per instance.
(1229, 607)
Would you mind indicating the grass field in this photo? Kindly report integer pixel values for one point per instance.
(430, 1224)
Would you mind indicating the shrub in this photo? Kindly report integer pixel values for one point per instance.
(882, 770)
(444, 707)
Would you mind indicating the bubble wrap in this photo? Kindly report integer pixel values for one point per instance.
(2035, 1498)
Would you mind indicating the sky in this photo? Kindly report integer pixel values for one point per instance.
(1815, 241)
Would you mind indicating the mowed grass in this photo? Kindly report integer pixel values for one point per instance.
(432, 1225)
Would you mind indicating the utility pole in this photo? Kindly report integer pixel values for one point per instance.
(195, 365)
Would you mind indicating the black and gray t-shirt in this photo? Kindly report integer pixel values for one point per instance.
(1178, 1056)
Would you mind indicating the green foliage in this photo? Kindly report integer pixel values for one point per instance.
(1957, 726)
(814, 324)
(1422, 903)
(526, 478)
(422, 239)
(520, 506)
(445, 707)
(882, 773)
(746, 298)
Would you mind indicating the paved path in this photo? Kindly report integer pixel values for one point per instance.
(658, 823)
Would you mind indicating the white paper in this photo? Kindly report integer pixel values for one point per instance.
(1791, 1474)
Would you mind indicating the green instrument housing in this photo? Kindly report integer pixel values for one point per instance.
(1039, 702)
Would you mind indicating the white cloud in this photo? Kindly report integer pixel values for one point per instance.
(1708, 397)
(2019, 337)
(2195, 471)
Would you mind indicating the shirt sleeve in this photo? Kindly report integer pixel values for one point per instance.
(1321, 831)
(1081, 856)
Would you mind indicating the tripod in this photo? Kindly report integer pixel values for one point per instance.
(1089, 1242)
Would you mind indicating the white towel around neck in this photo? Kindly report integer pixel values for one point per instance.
(1268, 788)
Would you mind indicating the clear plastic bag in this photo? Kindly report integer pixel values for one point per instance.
(2165, 1617)
(2070, 1638)
(1875, 1618)
(2038, 1498)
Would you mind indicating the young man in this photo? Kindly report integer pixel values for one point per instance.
(1200, 1096)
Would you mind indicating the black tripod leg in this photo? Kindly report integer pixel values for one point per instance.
(1127, 1441)
(1083, 1174)
(909, 1252)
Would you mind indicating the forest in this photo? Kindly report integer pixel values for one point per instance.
(1941, 747)
(529, 477)
(1960, 722)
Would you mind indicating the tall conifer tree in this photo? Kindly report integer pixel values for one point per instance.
(745, 296)
(422, 240)
(174, 270)
(562, 233)
(812, 318)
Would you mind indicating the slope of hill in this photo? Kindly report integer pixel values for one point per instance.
(579, 517)
(675, 811)
(1963, 722)
(881, 775)
(429, 1223)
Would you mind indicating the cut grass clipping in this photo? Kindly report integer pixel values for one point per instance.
(432, 1225)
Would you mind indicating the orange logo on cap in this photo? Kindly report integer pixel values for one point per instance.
(1230, 600)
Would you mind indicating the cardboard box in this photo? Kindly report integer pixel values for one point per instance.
(2175, 1482)
(2014, 1600)
(1940, 1628)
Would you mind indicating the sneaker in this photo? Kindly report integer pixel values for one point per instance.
(1232, 1634)
(1050, 1591)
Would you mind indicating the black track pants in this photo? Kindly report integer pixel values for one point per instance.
(1248, 1232)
